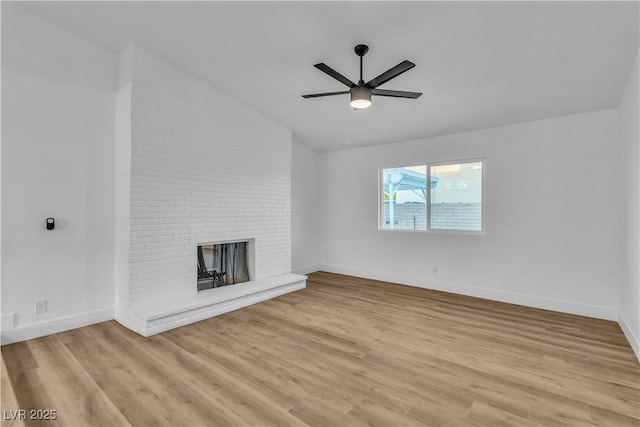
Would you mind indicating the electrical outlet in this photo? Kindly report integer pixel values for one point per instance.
(41, 306)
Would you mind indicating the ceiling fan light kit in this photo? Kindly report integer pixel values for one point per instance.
(361, 92)
(360, 97)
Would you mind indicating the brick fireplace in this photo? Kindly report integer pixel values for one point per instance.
(189, 169)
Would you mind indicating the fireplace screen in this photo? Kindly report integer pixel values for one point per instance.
(222, 264)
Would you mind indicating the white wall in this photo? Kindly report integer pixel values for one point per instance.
(630, 212)
(307, 239)
(57, 160)
(203, 168)
(551, 209)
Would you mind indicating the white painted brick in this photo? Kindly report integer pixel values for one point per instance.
(201, 167)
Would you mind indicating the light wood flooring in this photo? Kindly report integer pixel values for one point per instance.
(343, 352)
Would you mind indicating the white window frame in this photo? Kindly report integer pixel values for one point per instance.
(429, 165)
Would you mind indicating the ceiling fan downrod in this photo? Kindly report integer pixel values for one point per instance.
(361, 50)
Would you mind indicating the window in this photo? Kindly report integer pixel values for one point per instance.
(404, 198)
(456, 201)
(452, 200)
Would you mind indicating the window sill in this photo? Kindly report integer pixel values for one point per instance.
(459, 232)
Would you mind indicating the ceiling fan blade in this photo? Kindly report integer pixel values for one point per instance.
(316, 95)
(396, 93)
(333, 73)
(390, 73)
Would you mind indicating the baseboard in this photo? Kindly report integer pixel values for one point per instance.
(308, 269)
(628, 333)
(598, 312)
(61, 324)
(127, 319)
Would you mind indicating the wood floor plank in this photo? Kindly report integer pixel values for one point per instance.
(487, 415)
(345, 351)
(8, 400)
(77, 396)
(119, 376)
(316, 411)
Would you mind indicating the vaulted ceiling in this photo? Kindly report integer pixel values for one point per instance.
(479, 64)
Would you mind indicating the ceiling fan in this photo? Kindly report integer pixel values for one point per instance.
(361, 92)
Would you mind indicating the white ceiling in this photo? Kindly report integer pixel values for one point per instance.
(479, 64)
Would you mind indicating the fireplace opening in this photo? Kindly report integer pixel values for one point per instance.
(222, 264)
